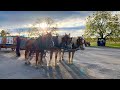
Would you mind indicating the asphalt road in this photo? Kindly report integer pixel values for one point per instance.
(91, 63)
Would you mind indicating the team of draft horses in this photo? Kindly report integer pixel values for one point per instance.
(56, 45)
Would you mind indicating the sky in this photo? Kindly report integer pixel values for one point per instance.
(67, 21)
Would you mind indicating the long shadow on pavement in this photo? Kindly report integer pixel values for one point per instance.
(58, 71)
(48, 72)
(74, 76)
(81, 73)
(53, 72)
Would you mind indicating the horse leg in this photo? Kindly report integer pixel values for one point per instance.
(62, 55)
(72, 57)
(51, 54)
(41, 58)
(56, 53)
(26, 52)
(69, 55)
(30, 52)
(26, 57)
(37, 55)
(59, 55)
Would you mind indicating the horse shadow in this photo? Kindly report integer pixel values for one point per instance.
(53, 72)
(75, 72)
(50, 72)
(58, 71)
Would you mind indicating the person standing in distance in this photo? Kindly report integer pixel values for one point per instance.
(83, 41)
(18, 41)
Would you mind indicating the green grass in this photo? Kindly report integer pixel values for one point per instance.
(93, 43)
(108, 44)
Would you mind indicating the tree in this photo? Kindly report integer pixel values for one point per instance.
(103, 24)
(42, 26)
(19, 31)
(4, 33)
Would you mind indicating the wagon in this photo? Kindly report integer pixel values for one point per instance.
(8, 42)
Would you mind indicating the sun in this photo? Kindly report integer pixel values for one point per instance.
(43, 25)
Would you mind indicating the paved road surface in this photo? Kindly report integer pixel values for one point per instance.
(100, 62)
(91, 63)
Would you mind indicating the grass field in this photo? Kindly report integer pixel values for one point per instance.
(108, 44)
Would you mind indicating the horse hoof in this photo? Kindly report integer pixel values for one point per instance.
(68, 62)
(29, 62)
(71, 62)
(36, 67)
(59, 60)
(25, 63)
(39, 62)
(54, 66)
(42, 66)
(48, 65)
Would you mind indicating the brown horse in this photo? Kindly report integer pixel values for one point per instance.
(74, 44)
(58, 49)
(64, 45)
(70, 49)
(80, 42)
(87, 43)
(54, 51)
(31, 48)
(38, 46)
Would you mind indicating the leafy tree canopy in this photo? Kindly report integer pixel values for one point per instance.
(103, 24)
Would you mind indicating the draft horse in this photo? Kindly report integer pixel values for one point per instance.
(70, 45)
(38, 46)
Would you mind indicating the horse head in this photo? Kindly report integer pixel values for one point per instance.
(66, 41)
(45, 41)
(80, 42)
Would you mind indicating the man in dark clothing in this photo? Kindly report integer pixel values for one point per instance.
(78, 42)
(55, 39)
(18, 46)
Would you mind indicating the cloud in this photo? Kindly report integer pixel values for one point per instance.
(71, 21)
(68, 21)
(17, 18)
(73, 28)
(73, 33)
